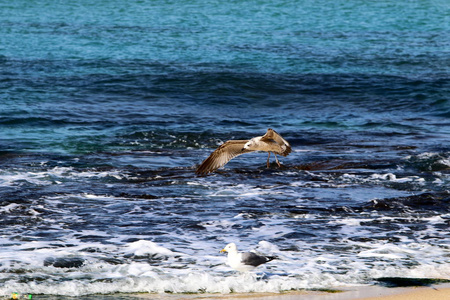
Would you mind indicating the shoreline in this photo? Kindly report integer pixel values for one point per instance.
(433, 292)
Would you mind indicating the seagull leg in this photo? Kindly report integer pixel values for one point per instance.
(277, 160)
(268, 163)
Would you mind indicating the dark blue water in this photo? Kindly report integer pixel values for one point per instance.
(108, 107)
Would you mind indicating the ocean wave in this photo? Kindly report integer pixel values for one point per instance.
(294, 270)
(132, 242)
(56, 175)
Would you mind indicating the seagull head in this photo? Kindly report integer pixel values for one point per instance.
(250, 145)
(247, 145)
(231, 247)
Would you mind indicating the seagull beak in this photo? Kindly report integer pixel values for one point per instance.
(222, 251)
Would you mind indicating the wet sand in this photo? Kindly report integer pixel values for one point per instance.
(418, 293)
(435, 292)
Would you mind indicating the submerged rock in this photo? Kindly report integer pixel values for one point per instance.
(439, 201)
(64, 262)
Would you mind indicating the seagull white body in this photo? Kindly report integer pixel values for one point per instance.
(243, 261)
(270, 142)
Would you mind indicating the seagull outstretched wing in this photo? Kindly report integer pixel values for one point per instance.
(222, 156)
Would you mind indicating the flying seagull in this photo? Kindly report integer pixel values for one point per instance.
(244, 261)
(270, 142)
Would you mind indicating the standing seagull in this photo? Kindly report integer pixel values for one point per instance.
(244, 261)
(270, 142)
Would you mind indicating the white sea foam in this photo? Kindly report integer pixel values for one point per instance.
(314, 250)
(307, 268)
(142, 247)
(9, 208)
(379, 178)
(432, 159)
(54, 175)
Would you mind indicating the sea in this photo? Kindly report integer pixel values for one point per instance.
(108, 107)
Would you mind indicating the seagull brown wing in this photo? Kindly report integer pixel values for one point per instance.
(222, 155)
(273, 135)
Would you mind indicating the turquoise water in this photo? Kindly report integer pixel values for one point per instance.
(107, 107)
(406, 38)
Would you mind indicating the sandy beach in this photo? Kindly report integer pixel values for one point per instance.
(435, 292)
(419, 293)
